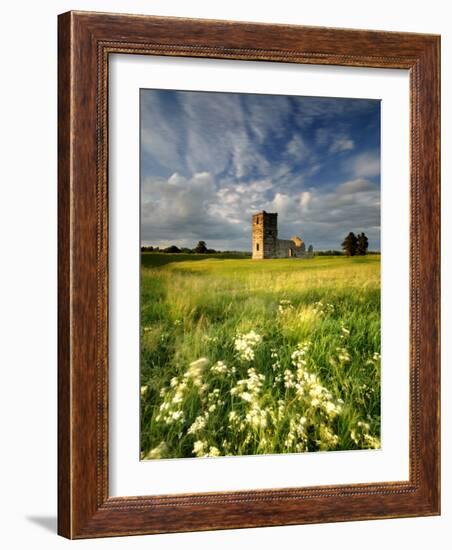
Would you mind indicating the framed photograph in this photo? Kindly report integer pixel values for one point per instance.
(248, 275)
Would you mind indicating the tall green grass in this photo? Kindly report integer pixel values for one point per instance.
(240, 356)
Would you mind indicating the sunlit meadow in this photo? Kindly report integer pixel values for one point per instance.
(243, 357)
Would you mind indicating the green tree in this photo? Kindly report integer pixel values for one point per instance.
(173, 249)
(201, 248)
(350, 244)
(362, 245)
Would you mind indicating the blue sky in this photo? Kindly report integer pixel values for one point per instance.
(211, 160)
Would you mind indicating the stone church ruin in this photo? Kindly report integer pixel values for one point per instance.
(266, 244)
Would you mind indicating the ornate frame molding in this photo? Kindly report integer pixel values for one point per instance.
(85, 42)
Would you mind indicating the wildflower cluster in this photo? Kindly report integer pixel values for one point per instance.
(375, 359)
(215, 408)
(249, 387)
(198, 424)
(171, 411)
(323, 309)
(196, 369)
(314, 408)
(248, 390)
(219, 368)
(285, 306)
(276, 364)
(308, 404)
(157, 452)
(244, 344)
(361, 436)
(341, 358)
(201, 448)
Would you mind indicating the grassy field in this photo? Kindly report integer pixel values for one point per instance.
(252, 357)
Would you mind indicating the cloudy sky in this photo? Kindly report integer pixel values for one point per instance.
(211, 160)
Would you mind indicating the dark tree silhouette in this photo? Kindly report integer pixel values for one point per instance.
(362, 245)
(350, 244)
(310, 248)
(201, 248)
(172, 249)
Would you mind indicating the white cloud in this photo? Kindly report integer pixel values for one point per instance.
(183, 210)
(365, 165)
(284, 204)
(323, 216)
(297, 148)
(355, 186)
(305, 199)
(227, 156)
(245, 157)
(351, 206)
(341, 143)
(336, 143)
(158, 138)
(171, 207)
(266, 115)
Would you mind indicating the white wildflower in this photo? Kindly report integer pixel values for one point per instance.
(199, 448)
(289, 379)
(177, 415)
(198, 424)
(244, 344)
(157, 452)
(246, 396)
(198, 365)
(213, 451)
(285, 306)
(219, 368)
(196, 370)
(363, 438)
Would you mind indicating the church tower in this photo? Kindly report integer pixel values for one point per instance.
(265, 235)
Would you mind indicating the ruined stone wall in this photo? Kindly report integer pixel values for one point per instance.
(282, 248)
(258, 237)
(265, 242)
(265, 232)
(288, 249)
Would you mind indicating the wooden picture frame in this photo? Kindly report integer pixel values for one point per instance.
(85, 42)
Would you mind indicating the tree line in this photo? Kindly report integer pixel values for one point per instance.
(352, 245)
(355, 245)
(200, 248)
